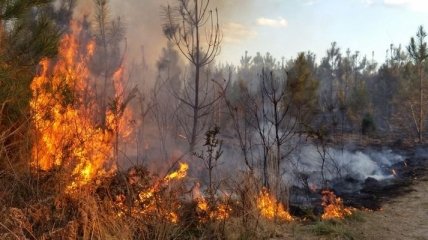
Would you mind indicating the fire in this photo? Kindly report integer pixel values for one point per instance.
(333, 207)
(270, 208)
(179, 174)
(222, 212)
(214, 211)
(150, 203)
(63, 106)
(118, 116)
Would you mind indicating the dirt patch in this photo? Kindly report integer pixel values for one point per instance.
(403, 218)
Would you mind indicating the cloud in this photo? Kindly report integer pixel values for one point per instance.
(414, 5)
(269, 22)
(235, 32)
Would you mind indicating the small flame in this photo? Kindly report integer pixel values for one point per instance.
(148, 201)
(333, 207)
(217, 211)
(179, 174)
(270, 208)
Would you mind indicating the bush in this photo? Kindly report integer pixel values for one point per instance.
(368, 126)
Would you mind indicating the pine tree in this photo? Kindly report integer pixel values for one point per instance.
(31, 35)
(418, 52)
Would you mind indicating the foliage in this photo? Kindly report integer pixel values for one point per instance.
(368, 126)
(32, 35)
(302, 86)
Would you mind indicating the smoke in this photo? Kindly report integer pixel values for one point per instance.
(357, 165)
(143, 20)
(145, 40)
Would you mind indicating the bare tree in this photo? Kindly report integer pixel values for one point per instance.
(186, 24)
(164, 111)
(278, 125)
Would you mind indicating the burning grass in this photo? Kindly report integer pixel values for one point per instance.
(334, 207)
(270, 208)
(213, 210)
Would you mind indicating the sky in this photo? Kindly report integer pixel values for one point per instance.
(286, 27)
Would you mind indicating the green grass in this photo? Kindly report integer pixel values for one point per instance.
(332, 229)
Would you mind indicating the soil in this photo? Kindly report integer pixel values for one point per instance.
(405, 217)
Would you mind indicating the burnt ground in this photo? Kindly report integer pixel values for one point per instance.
(400, 203)
(369, 194)
(375, 193)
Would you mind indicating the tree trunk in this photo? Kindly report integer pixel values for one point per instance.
(197, 74)
(420, 103)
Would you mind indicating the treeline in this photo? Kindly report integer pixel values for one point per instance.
(343, 91)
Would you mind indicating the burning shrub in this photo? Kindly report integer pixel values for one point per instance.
(66, 136)
(333, 206)
(270, 208)
(210, 210)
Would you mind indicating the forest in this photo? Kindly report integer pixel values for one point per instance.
(98, 143)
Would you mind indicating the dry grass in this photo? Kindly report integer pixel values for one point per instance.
(39, 208)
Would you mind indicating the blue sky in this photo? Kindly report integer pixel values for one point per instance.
(286, 27)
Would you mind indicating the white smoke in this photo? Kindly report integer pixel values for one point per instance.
(358, 165)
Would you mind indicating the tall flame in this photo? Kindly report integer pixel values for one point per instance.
(118, 116)
(63, 104)
(333, 207)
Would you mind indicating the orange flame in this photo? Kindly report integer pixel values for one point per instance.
(220, 211)
(333, 207)
(179, 174)
(119, 117)
(62, 105)
(270, 208)
(148, 201)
